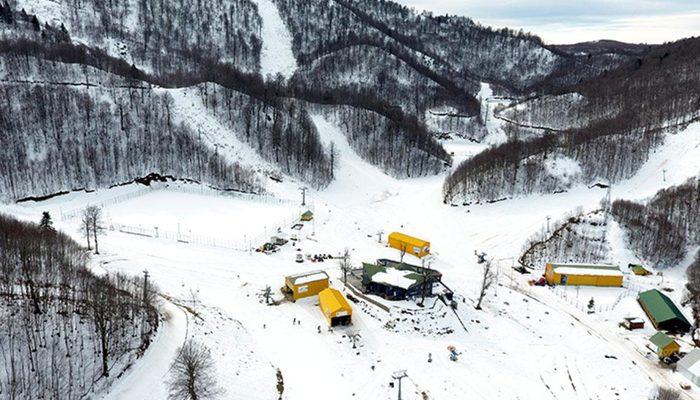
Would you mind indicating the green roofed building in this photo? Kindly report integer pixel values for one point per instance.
(664, 345)
(639, 270)
(662, 312)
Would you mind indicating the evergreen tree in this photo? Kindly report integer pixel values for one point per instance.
(46, 223)
(35, 22)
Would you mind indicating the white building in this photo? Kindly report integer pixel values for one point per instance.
(689, 366)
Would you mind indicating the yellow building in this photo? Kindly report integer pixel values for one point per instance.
(664, 345)
(307, 216)
(412, 245)
(334, 307)
(583, 274)
(306, 284)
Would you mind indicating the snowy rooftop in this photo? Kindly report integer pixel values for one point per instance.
(691, 362)
(583, 265)
(307, 277)
(587, 271)
(394, 277)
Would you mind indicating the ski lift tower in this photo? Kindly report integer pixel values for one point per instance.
(303, 195)
(398, 375)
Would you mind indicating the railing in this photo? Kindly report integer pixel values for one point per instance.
(245, 244)
(201, 190)
(76, 212)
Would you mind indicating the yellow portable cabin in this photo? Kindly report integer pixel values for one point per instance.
(664, 345)
(583, 274)
(306, 284)
(412, 245)
(334, 307)
(307, 216)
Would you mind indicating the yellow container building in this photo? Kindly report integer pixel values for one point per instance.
(412, 245)
(334, 307)
(583, 274)
(306, 284)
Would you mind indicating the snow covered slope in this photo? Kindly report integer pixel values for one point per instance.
(277, 56)
(527, 343)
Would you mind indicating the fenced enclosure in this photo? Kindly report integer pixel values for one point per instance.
(139, 218)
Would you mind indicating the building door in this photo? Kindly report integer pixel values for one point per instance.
(563, 280)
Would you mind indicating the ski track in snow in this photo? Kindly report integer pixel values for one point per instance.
(146, 379)
(277, 55)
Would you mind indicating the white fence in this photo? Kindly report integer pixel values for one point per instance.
(75, 213)
(245, 244)
(204, 191)
(200, 190)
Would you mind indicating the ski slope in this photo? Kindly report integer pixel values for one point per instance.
(527, 343)
(277, 56)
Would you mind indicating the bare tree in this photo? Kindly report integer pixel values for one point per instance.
(345, 265)
(193, 374)
(662, 393)
(86, 226)
(333, 159)
(693, 296)
(402, 251)
(487, 279)
(94, 214)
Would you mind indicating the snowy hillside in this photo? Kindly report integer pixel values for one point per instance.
(522, 332)
(214, 148)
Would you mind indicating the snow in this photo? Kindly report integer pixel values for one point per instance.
(565, 168)
(695, 369)
(541, 339)
(189, 109)
(147, 378)
(309, 277)
(670, 165)
(46, 10)
(587, 271)
(494, 126)
(277, 56)
(202, 214)
(394, 277)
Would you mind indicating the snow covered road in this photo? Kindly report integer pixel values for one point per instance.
(147, 378)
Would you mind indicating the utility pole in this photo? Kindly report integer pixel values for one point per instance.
(379, 235)
(398, 375)
(548, 218)
(145, 304)
(303, 195)
(145, 285)
(664, 171)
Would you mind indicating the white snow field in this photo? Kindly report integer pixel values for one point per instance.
(527, 343)
(277, 56)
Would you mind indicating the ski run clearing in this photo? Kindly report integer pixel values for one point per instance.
(527, 342)
(277, 56)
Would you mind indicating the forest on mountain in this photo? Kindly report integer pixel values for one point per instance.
(663, 230)
(92, 130)
(660, 231)
(577, 237)
(393, 79)
(66, 331)
(609, 129)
